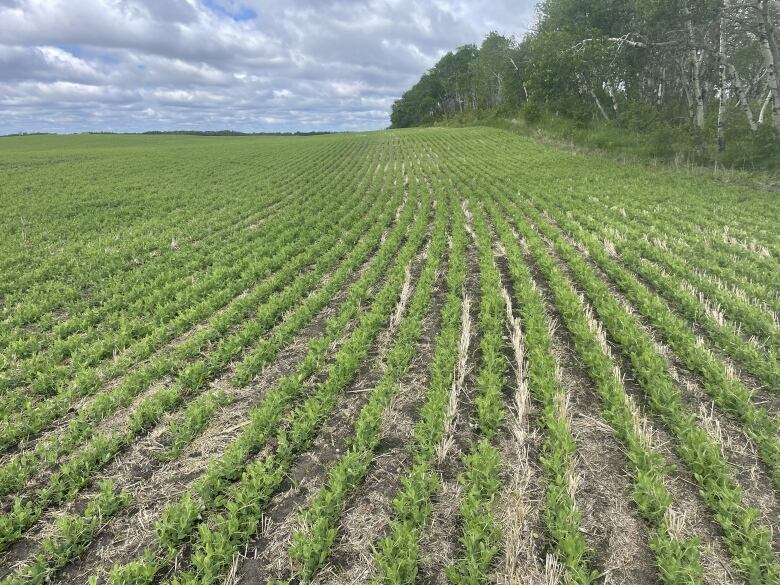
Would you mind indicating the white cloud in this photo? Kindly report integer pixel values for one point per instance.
(73, 65)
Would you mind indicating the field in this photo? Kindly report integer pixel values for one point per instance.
(423, 356)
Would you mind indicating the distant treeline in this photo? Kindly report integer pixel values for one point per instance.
(710, 67)
(235, 133)
(185, 133)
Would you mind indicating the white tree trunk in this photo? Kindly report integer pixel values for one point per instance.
(764, 108)
(598, 105)
(698, 92)
(744, 102)
(722, 71)
(769, 52)
(615, 108)
(695, 57)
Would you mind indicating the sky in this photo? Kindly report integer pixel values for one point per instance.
(248, 65)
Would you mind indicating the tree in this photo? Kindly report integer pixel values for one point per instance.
(634, 63)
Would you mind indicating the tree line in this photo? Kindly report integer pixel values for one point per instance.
(706, 65)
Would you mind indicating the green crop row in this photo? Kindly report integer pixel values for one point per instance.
(729, 393)
(216, 541)
(36, 417)
(149, 286)
(748, 316)
(396, 556)
(254, 360)
(114, 298)
(18, 469)
(677, 558)
(241, 274)
(311, 545)
(73, 533)
(480, 478)
(191, 380)
(262, 262)
(561, 517)
(651, 202)
(139, 252)
(747, 540)
(99, 320)
(691, 303)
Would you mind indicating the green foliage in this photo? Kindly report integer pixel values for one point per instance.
(312, 544)
(244, 502)
(135, 331)
(751, 150)
(396, 556)
(710, 469)
(599, 73)
(73, 533)
(480, 534)
(531, 112)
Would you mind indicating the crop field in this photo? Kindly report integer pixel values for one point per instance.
(418, 356)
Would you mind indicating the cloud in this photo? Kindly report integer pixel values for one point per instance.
(134, 65)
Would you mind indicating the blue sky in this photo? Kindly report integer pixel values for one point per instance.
(238, 12)
(251, 65)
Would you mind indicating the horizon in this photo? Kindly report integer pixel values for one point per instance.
(225, 132)
(135, 66)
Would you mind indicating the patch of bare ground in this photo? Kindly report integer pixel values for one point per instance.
(439, 543)
(265, 556)
(617, 535)
(519, 502)
(725, 429)
(518, 510)
(695, 519)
